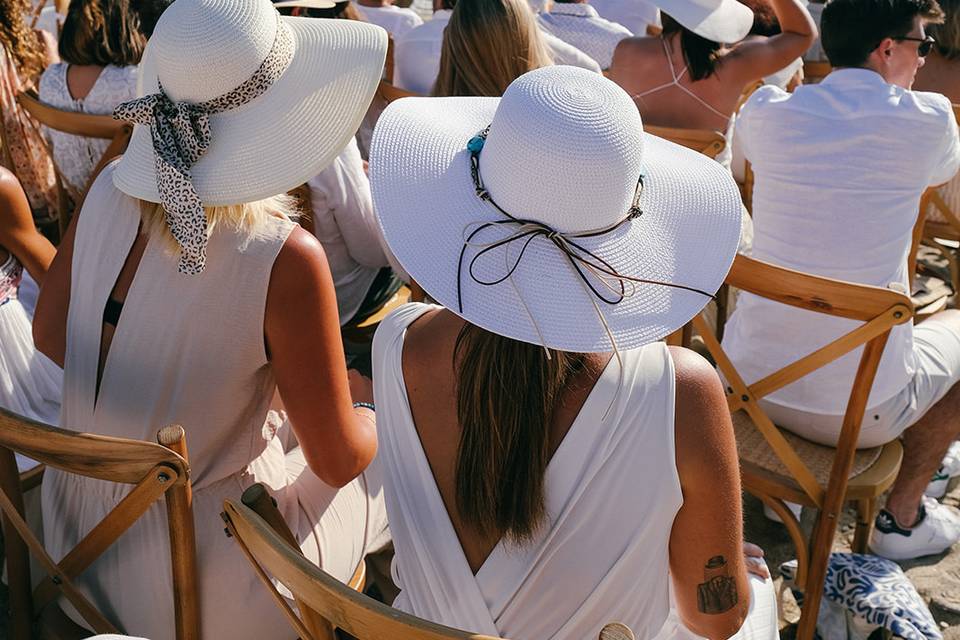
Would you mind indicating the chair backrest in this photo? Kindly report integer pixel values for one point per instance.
(877, 308)
(360, 616)
(78, 124)
(156, 471)
(814, 72)
(388, 92)
(706, 141)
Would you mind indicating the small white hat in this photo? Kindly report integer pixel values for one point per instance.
(204, 49)
(560, 165)
(724, 21)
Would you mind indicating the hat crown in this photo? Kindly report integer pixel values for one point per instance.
(565, 148)
(206, 48)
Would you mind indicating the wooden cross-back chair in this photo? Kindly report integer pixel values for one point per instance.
(325, 602)
(777, 466)
(943, 225)
(814, 72)
(155, 470)
(389, 92)
(706, 141)
(88, 125)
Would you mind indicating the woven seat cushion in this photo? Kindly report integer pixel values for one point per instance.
(753, 448)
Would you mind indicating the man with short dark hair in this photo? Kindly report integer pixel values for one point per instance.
(840, 168)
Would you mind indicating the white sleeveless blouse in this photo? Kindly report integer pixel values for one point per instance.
(188, 350)
(612, 492)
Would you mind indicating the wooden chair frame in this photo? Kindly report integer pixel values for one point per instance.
(156, 471)
(706, 141)
(103, 127)
(389, 92)
(323, 601)
(879, 310)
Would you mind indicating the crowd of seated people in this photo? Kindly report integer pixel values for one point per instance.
(497, 448)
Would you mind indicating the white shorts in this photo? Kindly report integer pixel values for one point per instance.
(937, 347)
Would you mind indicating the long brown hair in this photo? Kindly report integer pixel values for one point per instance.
(19, 41)
(101, 32)
(486, 46)
(507, 393)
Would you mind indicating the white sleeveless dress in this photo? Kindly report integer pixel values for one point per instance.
(29, 381)
(189, 350)
(602, 557)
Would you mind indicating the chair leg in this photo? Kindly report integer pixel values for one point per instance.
(865, 513)
(17, 556)
(820, 549)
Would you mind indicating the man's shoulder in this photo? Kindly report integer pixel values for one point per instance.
(426, 31)
(936, 105)
(764, 100)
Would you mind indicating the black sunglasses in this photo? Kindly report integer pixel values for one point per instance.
(925, 46)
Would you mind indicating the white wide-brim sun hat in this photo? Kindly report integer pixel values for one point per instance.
(202, 49)
(565, 148)
(723, 21)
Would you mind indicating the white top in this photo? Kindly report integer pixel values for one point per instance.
(840, 167)
(76, 156)
(603, 538)
(635, 15)
(396, 20)
(417, 54)
(580, 25)
(188, 350)
(346, 226)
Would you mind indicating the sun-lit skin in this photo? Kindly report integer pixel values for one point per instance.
(898, 60)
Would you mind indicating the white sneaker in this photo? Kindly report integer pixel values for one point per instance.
(949, 469)
(772, 515)
(936, 531)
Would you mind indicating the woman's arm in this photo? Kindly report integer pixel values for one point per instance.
(706, 544)
(760, 57)
(303, 337)
(50, 318)
(17, 232)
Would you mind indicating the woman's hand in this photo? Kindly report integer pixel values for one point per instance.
(753, 559)
(361, 388)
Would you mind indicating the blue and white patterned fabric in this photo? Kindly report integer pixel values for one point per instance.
(874, 592)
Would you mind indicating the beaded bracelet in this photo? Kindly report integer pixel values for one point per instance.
(365, 405)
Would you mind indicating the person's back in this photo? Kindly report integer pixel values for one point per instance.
(100, 48)
(396, 20)
(170, 302)
(513, 440)
(23, 55)
(579, 24)
(840, 167)
(686, 78)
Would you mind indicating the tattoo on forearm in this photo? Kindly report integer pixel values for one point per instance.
(718, 593)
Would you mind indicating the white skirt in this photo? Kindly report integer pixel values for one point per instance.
(30, 383)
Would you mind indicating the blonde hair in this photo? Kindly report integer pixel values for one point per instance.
(487, 45)
(245, 218)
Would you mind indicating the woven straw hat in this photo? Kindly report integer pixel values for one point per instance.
(565, 150)
(725, 21)
(203, 49)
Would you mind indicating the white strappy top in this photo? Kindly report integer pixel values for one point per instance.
(675, 82)
(603, 553)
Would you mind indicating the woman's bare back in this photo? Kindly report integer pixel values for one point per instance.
(430, 378)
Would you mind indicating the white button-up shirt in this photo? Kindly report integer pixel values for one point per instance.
(396, 20)
(635, 15)
(840, 167)
(416, 57)
(580, 25)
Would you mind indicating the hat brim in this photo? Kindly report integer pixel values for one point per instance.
(306, 4)
(728, 23)
(285, 136)
(425, 200)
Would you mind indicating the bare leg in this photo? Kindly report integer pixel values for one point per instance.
(924, 445)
